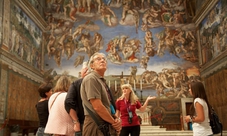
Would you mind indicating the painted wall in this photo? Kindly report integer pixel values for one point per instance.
(25, 37)
(154, 47)
(212, 32)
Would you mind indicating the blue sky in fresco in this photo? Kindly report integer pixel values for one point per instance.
(155, 63)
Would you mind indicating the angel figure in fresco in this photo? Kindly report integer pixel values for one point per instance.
(161, 44)
(149, 17)
(183, 91)
(179, 37)
(57, 5)
(57, 57)
(149, 46)
(123, 39)
(69, 47)
(178, 17)
(129, 15)
(78, 61)
(108, 16)
(143, 62)
(166, 15)
(50, 45)
(169, 41)
(129, 54)
(113, 54)
(72, 11)
(97, 41)
(77, 32)
(133, 71)
(61, 44)
(84, 41)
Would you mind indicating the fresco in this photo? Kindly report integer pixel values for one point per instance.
(149, 44)
(213, 37)
(200, 4)
(1, 18)
(38, 5)
(25, 38)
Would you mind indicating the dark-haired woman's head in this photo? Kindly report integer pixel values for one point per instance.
(45, 90)
(197, 90)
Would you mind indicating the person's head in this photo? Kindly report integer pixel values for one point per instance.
(45, 90)
(62, 84)
(127, 91)
(98, 63)
(197, 90)
(84, 70)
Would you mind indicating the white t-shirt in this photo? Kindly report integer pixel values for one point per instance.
(202, 128)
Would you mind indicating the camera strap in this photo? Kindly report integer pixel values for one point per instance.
(128, 104)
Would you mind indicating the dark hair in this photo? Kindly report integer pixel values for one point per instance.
(198, 91)
(44, 88)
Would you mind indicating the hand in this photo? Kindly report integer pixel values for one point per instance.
(117, 125)
(151, 97)
(77, 127)
(187, 118)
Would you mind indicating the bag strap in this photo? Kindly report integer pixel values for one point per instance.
(54, 100)
(92, 115)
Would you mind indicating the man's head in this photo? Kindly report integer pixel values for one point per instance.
(84, 70)
(98, 63)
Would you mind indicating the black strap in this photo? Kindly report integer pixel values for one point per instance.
(92, 115)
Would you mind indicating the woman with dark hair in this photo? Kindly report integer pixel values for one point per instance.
(45, 91)
(200, 110)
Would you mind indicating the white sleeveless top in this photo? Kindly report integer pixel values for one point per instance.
(202, 128)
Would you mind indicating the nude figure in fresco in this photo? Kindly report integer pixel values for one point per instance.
(72, 11)
(50, 45)
(149, 44)
(77, 32)
(97, 41)
(14, 34)
(61, 45)
(57, 57)
(128, 10)
(69, 47)
(107, 14)
(122, 42)
(178, 17)
(144, 62)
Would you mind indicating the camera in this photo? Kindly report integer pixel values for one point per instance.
(130, 117)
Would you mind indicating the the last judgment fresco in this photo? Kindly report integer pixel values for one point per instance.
(149, 44)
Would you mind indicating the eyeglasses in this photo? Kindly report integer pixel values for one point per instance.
(100, 58)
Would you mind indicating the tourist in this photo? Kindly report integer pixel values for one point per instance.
(126, 106)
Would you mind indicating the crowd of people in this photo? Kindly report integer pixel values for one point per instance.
(87, 107)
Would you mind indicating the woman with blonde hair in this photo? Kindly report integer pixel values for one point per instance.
(126, 106)
(59, 122)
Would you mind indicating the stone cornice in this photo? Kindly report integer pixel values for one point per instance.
(217, 64)
(33, 14)
(20, 67)
(203, 11)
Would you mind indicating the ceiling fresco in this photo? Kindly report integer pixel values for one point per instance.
(150, 44)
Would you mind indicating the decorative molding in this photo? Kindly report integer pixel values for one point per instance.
(203, 12)
(217, 64)
(183, 109)
(20, 67)
(33, 14)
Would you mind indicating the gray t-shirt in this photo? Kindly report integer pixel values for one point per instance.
(93, 87)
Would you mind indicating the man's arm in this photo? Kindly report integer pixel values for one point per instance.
(70, 106)
(102, 111)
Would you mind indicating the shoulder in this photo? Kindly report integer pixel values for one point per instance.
(199, 100)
